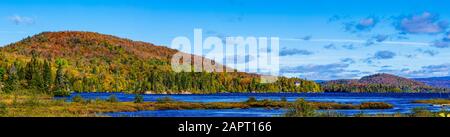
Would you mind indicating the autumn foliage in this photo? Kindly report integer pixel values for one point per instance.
(92, 62)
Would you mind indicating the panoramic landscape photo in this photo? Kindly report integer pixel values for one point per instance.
(224, 58)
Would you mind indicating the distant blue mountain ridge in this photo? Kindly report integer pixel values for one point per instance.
(443, 82)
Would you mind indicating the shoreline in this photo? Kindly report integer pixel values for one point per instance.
(42, 106)
(189, 93)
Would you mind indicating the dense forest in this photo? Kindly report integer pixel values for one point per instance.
(379, 83)
(62, 62)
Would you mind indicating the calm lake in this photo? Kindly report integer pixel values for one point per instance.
(402, 103)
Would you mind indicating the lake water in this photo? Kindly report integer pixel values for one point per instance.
(402, 103)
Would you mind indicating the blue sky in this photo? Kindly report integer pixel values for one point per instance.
(318, 39)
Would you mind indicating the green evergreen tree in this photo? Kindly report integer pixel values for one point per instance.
(47, 76)
(12, 81)
(61, 87)
(2, 73)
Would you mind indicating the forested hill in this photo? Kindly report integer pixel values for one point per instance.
(59, 62)
(379, 83)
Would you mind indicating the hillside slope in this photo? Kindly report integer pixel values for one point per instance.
(91, 62)
(89, 47)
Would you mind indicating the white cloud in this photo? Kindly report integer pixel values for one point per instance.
(425, 23)
(18, 20)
